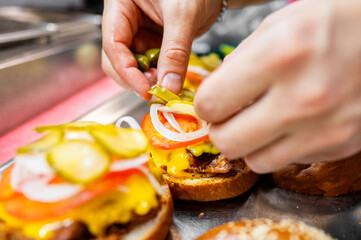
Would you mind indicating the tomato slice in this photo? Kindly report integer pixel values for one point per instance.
(195, 77)
(186, 122)
(21, 207)
(6, 192)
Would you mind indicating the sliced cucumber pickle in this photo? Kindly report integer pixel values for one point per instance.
(152, 55)
(79, 161)
(76, 126)
(163, 93)
(182, 107)
(44, 144)
(142, 61)
(123, 142)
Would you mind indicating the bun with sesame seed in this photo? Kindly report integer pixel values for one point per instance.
(265, 229)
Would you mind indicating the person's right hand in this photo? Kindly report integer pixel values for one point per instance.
(142, 24)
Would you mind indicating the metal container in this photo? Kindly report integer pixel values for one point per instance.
(44, 57)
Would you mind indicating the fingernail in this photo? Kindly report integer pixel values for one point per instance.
(148, 75)
(172, 82)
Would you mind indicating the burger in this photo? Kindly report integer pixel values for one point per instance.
(265, 229)
(324, 178)
(183, 156)
(83, 180)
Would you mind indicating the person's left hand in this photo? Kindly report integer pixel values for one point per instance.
(301, 72)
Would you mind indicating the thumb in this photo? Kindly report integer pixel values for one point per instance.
(176, 46)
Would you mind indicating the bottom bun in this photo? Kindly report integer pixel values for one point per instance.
(326, 178)
(211, 188)
(265, 229)
(157, 228)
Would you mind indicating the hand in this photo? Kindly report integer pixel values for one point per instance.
(142, 24)
(291, 92)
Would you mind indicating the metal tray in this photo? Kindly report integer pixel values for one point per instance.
(338, 216)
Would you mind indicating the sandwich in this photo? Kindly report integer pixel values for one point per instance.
(265, 229)
(83, 180)
(183, 156)
(324, 178)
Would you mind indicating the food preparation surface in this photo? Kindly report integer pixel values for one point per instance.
(338, 216)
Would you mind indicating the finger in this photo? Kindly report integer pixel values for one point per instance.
(248, 73)
(120, 23)
(176, 46)
(146, 39)
(305, 146)
(252, 129)
(110, 72)
(150, 75)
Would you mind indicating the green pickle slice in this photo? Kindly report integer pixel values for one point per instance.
(76, 126)
(142, 61)
(182, 107)
(152, 55)
(163, 93)
(44, 144)
(79, 161)
(123, 142)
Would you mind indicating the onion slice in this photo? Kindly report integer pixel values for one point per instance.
(175, 136)
(171, 119)
(41, 191)
(132, 123)
(122, 165)
(28, 168)
(199, 70)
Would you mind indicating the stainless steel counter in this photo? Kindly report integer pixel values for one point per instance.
(44, 57)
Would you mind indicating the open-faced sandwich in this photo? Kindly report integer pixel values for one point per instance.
(83, 181)
(188, 162)
(265, 229)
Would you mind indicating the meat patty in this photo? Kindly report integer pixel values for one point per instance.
(215, 164)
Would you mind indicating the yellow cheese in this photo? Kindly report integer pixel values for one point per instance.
(176, 160)
(136, 195)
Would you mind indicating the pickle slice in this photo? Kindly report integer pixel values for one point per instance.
(182, 107)
(163, 93)
(79, 161)
(123, 142)
(44, 144)
(76, 126)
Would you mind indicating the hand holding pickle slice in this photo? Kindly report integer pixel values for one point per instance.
(81, 172)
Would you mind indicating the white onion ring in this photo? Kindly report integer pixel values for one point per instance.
(30, 167)
(41, 191)
(122, 165)
(179, 137)
(170, 118)
(199, 70)
(132, 123)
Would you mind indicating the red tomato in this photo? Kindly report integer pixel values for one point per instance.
(6, 191)
(28, 210)
(195, 77)
(186, 122)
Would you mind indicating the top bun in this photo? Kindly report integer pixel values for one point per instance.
(326, 178)
(265, 229)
